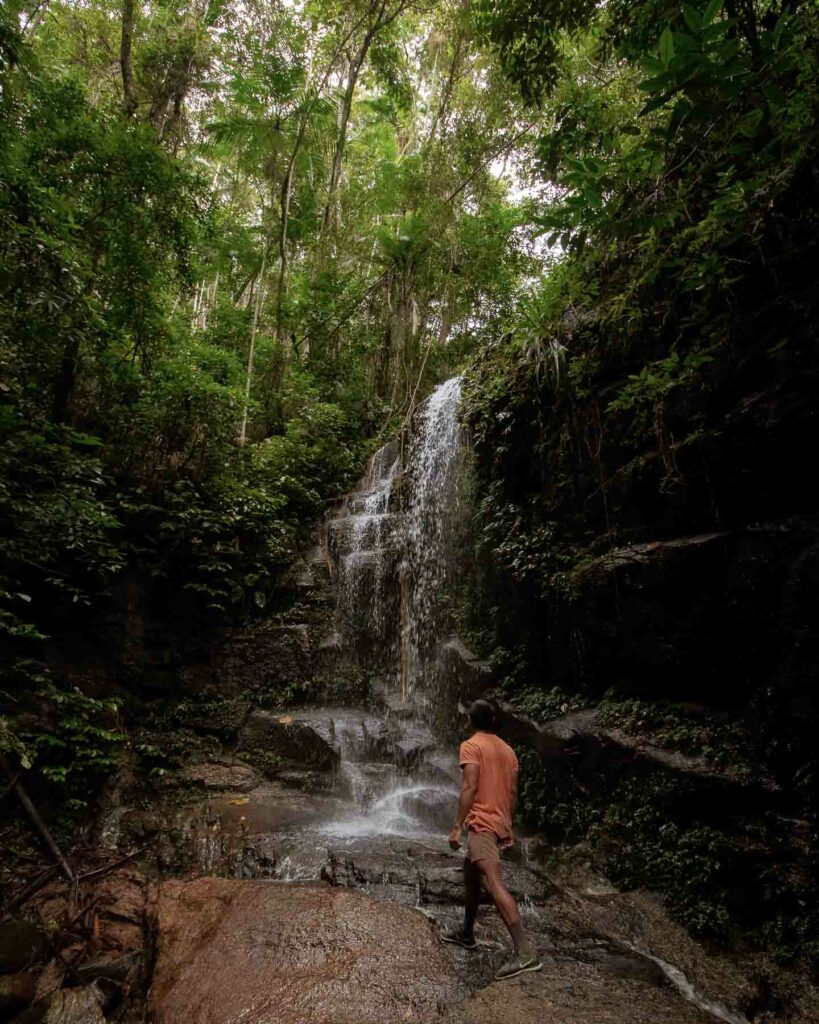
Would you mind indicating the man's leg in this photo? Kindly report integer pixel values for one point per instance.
(472, 881)
(489, 871)
(466, 936)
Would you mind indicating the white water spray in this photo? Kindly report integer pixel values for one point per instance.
(433, 508)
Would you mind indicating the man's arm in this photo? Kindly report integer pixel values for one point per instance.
(469, 789)
(513, 799)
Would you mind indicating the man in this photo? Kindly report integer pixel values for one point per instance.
(489, 791)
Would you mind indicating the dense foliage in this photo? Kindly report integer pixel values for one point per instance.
(642, 533)
(230, 261)
(238, 243)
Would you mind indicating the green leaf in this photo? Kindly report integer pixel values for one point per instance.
(749, 124)
(655, 103)
(682, 108)
(87, 440)
(692, 17)
(774, 95)
(653, 66)
(711, 11)
(667, 47)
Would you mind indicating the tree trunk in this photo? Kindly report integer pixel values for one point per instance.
(64, 383)
(287, 183)
(341, 139)
(446, 95)
(129, 101)
(381, 20)
(286, 192)
(251, 353)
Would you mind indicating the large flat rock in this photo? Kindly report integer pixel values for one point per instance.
(272, 953)
(572, 993)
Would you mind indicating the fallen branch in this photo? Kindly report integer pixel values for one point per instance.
(29, 890)
(9, 787)
(39, 824)
(110, 867)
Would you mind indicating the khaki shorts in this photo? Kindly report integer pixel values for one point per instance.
(482, 846)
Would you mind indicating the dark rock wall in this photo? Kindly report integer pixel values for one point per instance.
(655, 554)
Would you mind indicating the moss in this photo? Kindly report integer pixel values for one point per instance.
(720, 739)
(733, 879)
(266, 761)
(545, 704)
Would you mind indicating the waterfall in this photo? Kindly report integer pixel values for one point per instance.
(363, 543)
(433, 508)
(394, 552)
(391, 545)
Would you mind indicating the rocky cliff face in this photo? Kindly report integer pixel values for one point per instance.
(647, 546)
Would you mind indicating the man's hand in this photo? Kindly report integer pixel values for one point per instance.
(455, 838)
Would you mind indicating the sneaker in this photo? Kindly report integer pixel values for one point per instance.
(517, 965)
(459, 938)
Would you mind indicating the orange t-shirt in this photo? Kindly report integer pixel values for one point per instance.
(497, 768)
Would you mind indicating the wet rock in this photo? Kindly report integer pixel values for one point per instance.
(354, 734)
(574, 993)
(296, 744)
(68, 1006)
(593, 751)
(222, 775)
(365, 783)
(441, 767)
(463, 676)
(121, 899)
(21, 944)
(50, 980)
(262, 951)
(427, 806)
(111, 968)
(396, 707)
(222, 717)
(410, 749)
(419, 872)
(634, 925)
(16, 992)
(307, 781)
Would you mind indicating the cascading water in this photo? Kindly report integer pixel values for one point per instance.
(429, 525)
(391, 544)
(362, 541)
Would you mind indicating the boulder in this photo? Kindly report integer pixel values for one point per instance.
(21, 944)
(265, 951)
(593, 752)
(295, 744)
(68, 1006)
(222, 717)
(463, 676)
(110, 968)
(121, 898)
(16, 992)
(420, 872)
(261, 658)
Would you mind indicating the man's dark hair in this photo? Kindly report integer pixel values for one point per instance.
(482, 715)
